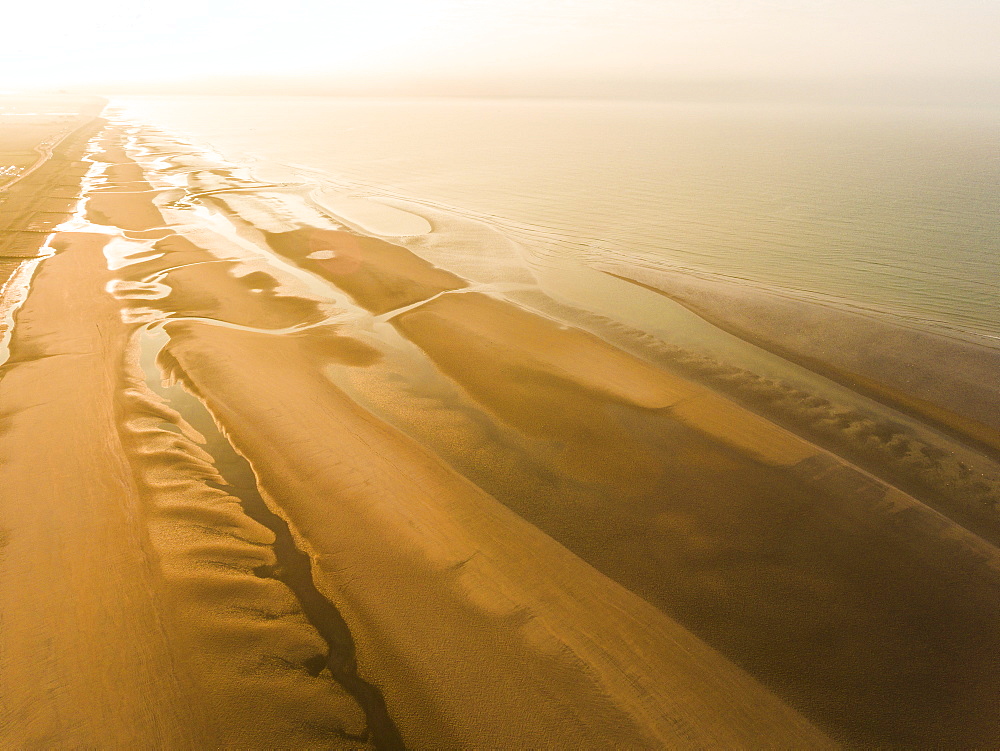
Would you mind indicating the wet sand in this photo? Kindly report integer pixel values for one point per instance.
(383, 507)
(949, 379)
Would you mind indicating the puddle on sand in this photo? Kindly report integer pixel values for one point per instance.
(13, 293)
(294, 566)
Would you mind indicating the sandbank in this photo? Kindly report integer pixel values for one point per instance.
(371, 216)
(950, 380)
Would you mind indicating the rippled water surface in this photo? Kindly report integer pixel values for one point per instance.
(889, 209)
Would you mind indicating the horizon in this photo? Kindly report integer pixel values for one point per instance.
(820, 91)
(586, 48)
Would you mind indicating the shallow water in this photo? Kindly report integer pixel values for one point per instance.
(891, 209)
(293, 566)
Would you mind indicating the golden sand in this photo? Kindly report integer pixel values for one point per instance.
(560, 650)
(127, 579)
(380, 276)
(643, 564)
(743, 430)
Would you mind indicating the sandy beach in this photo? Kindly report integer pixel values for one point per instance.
(271, 481)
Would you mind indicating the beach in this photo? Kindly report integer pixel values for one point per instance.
(271, 477)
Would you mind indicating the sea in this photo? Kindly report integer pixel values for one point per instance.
(892, 210)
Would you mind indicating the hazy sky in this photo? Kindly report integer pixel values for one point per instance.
(69, 42)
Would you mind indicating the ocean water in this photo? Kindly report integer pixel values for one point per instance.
(895, 210)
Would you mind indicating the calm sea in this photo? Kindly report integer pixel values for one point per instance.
(889, 209)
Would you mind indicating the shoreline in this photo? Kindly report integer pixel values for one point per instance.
(533, 537)
(382, 276)
(231, 641)
(256, 152)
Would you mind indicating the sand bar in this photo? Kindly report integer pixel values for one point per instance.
(950, 380)
(371, 216)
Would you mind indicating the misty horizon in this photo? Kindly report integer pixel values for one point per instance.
(554, 48)
(847, 91)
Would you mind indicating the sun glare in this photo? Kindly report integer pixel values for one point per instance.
(106, 42)
(112, 41)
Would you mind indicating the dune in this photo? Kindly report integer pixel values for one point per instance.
(134, 612)
(550, 347)
(125, 198)
(379, 275)
(398, 620)
(744, 430)
(528, 342)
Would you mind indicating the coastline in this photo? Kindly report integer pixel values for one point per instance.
(201, 639)
(533, 537)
